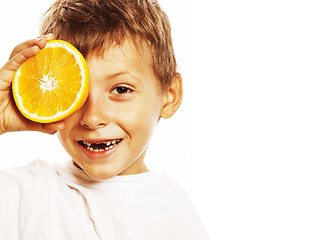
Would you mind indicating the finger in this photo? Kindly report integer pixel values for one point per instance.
(26, 50)
(14, 63)
(49, 36)
(8, 70)
(39, 41)
(22, 46)
(52, 128)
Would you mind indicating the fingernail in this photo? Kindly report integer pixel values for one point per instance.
(61, 126)
(40, 38)
(48, 36)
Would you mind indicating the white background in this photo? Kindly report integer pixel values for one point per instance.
(251, 142)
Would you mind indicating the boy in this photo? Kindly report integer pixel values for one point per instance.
(104, 193)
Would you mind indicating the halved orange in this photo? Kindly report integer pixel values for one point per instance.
(52, 85)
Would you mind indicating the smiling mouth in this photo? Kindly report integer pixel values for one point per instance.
(99, 146)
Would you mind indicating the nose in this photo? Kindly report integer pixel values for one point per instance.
(93, 116)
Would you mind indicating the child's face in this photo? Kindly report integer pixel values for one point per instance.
(110, 133)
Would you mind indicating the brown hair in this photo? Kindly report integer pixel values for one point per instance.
(93, 25)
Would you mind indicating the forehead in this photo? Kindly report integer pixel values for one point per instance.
(127, 49)
(128, 57)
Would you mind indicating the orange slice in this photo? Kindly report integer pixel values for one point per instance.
(52, 85)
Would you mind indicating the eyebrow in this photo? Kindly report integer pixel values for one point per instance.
(114, 75)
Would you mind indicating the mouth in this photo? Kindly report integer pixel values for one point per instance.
(99, 146)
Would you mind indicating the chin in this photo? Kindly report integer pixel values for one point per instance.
(99, 172)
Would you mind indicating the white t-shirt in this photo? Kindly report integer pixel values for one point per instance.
(43, 201)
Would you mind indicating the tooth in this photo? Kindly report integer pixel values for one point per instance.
(108, 143)
(87, 144)
(113, 141)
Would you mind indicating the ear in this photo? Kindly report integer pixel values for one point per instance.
(173, 97)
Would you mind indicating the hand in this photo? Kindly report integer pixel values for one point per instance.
(10, 117)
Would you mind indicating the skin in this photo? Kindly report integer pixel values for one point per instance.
(11, 119)
(125, 104)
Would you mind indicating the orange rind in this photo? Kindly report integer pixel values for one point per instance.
(53, 84)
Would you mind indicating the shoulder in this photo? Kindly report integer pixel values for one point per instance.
(174, 205)
(162, 191)
(170, 186)
(35, 169)
(32, 176)
(20, 189)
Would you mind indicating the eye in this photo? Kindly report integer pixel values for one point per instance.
(120, 90)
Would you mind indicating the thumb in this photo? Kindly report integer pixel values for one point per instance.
(52, 128)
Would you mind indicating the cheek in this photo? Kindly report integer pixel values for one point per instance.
(70, 124)
(65, 135)
(146, 115)
(64, 139)
(140, 120)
